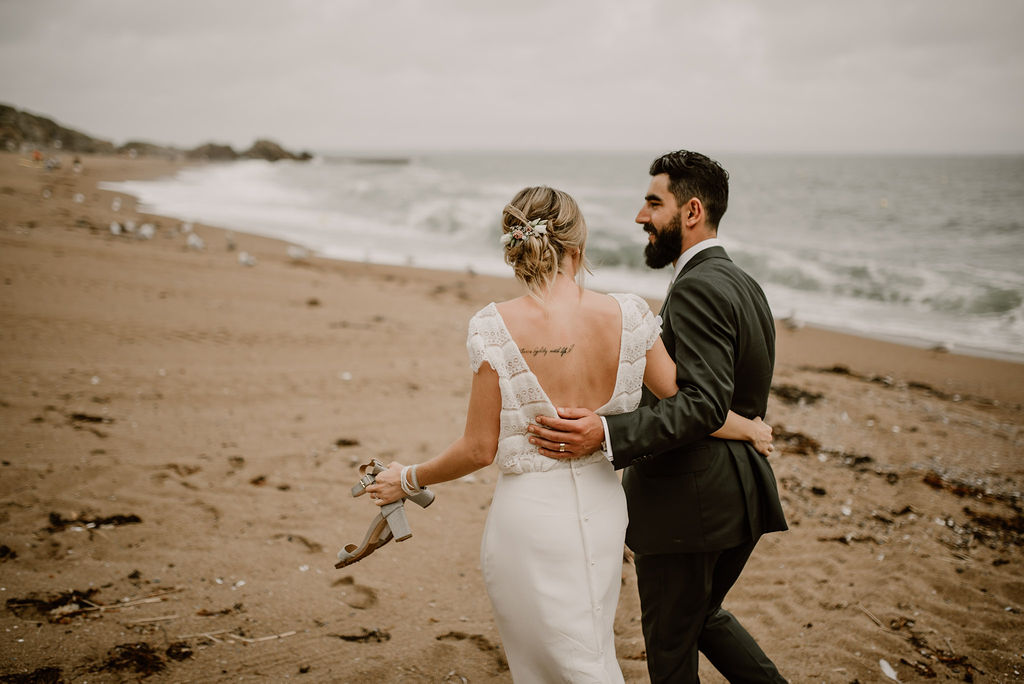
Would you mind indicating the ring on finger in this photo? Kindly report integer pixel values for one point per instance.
(561, 447)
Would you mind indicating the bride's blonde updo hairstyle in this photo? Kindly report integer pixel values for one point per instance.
(537, 257)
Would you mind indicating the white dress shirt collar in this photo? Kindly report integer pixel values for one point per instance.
(691, 252)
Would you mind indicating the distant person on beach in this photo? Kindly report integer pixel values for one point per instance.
(552, 547)
(697, 506)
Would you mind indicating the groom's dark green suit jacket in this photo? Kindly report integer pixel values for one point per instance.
(687, 492)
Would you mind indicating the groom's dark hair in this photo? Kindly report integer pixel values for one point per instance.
(691, 174)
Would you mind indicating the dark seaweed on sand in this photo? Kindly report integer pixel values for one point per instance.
(179, 650)
(59, 522)
(973, 490)
(791, 394)
(796, 442)
(991, 527)
(67, 604)
(958, 665)
(138, 657)
(44, 675)
(377, 635)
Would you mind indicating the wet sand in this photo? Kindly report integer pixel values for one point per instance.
(180, 433)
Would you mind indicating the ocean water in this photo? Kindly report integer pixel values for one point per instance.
(924, 250)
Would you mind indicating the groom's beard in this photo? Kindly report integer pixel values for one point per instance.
(667, 244)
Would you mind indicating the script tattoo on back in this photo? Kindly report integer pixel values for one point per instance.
(544, 351)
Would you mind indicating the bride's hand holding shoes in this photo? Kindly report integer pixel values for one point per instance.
(387, 487)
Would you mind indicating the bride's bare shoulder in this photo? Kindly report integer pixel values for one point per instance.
(600, 303)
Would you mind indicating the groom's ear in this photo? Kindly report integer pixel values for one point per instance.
(692, 212)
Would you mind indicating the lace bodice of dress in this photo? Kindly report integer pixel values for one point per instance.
(522, 397)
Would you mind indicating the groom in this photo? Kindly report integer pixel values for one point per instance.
(697, 505)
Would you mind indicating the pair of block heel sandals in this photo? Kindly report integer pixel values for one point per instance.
(390, 523)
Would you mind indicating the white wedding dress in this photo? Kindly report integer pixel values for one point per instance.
(552, 547)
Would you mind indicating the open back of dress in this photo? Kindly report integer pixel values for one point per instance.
(552, 548)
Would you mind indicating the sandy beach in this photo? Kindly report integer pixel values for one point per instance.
(181, 431)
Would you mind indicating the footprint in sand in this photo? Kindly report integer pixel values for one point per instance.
(356, 595)
(311, 546)
(182, 469)
(481, 642)
(210, 509)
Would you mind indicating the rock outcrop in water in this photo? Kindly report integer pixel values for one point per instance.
(212, 152)
(271, 151)
(20, 128)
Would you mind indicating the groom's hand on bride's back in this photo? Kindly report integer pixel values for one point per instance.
(575, 432)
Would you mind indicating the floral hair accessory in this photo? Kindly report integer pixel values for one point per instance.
(519, 234)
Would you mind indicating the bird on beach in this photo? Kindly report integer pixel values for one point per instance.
(246, 259)
(195, 242)
(115, 228)
(146, 231)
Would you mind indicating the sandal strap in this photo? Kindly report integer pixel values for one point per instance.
(392, 513)
(369, 472)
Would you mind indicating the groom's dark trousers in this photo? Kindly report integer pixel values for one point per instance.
(676, 618)
(697, 505)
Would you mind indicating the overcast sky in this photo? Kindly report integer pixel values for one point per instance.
(728, 76)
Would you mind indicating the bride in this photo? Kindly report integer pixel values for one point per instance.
(552, 546)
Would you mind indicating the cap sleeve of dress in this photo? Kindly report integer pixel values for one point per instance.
(649, 329)
(484, 340)
(652, 327)
(475, 344)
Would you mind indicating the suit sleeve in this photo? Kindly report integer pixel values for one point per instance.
(704, 324)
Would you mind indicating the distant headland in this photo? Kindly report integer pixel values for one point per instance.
(21, 129)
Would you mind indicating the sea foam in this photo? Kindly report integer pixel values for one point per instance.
(926, 250)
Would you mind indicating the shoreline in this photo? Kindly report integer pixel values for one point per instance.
(807, 346)
(909, 341)
(182, 431)
(870, 299)
(923, 344)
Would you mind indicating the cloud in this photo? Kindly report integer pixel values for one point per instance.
(734, 75)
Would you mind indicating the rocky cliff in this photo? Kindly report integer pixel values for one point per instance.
(17, 128)
(21, 128)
